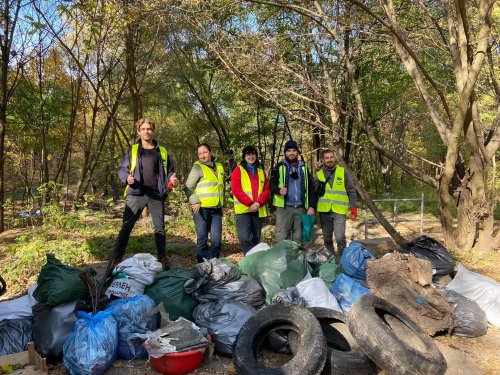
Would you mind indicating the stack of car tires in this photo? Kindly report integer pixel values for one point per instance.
(375, 335)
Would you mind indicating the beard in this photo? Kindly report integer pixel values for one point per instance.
(292, 158)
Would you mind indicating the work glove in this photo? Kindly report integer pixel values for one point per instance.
(354, 212)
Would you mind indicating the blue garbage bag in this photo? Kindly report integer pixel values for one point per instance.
(347, 291)
(354, 259)
(91, 348)
(135, 317)
(307, 226)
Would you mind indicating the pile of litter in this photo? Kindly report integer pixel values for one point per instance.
(284, 298)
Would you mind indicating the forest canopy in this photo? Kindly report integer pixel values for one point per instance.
(405, 92)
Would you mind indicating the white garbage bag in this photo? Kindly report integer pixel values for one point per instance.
(133, 275)
(316, 294)
(479, 288)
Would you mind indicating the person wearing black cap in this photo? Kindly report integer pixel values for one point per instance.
(294, 194)
(250, 188)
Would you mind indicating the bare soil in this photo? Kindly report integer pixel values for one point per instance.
(464, 356)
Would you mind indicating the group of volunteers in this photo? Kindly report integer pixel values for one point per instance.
(148, 171)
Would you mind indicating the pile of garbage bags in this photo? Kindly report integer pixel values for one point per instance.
(145, 307)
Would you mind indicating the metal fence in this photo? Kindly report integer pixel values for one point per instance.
(395, 217)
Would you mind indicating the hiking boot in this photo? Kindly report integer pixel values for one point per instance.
(164, 264)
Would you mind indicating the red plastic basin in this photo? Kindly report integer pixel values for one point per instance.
(178, 363)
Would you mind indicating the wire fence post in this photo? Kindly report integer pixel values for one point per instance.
(422, 214)
(366, 222)
(395, 216)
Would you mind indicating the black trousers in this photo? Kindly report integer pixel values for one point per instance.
(248, 227)
(134, 206)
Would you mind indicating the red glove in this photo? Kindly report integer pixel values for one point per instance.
(354, 212)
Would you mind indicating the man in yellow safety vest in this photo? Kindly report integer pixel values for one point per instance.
(292, 186)
(336, 197)
(148, 171)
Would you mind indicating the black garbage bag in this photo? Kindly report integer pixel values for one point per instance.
(223, 320)
(51, 327)
(15, 335)
(211, 274)
(425, 247)
(471, 318)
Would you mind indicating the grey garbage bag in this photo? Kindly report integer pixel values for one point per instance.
(289, 295)
(245, 289)
(51, 327)
(223, 320)
(211, 273)
(15, 335)
(472, 320)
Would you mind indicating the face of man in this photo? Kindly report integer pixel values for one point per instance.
(291, 155)
(146, 132)
(329, 160)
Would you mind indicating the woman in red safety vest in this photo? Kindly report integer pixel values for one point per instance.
(250, 188)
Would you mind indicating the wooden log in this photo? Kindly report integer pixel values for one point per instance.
(406, 282)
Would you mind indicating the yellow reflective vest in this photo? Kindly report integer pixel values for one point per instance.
(134, 156)
(210, 189)
(335, 198)
(279, 200)
(246, 185)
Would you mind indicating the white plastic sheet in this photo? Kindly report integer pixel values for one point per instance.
(316, 294)
(479, 288)
(259, 247)
(19, 308)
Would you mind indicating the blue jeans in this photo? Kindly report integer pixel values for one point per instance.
(208, 220)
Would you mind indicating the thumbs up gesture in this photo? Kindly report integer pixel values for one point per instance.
(173, 179)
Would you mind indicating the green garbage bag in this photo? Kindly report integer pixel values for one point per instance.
(59, 283)
(279, 267)
(168, 287)
(328, 271)
(307, 226)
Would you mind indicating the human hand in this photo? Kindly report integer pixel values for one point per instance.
(254, 207)
(130, 178)
(353, 212)
(310, 211)
(173, 179)
(283, 191)
(196, 208)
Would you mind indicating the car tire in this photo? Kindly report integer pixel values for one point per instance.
(392, 340)
(310, 356)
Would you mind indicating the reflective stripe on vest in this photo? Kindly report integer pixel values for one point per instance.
(246, 185)
(335, 198)
(279, 200)
(134, 156)
(210, 189)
